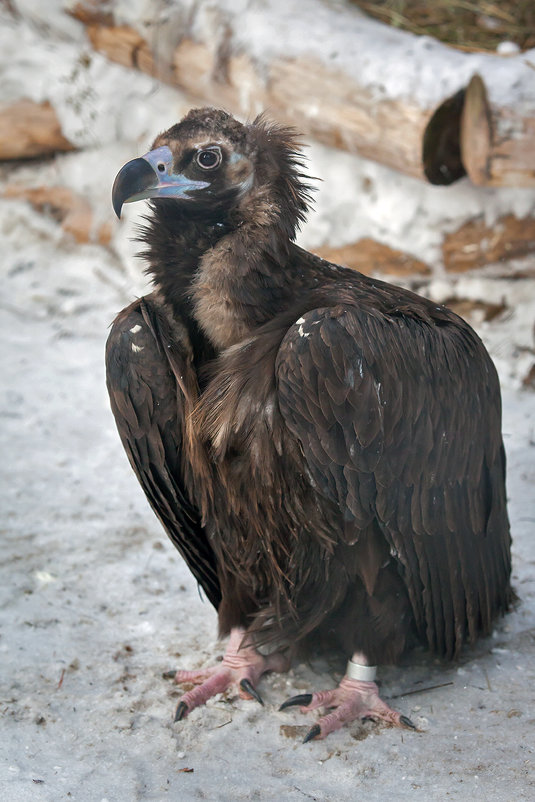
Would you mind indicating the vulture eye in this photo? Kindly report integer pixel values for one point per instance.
(161, 167)
(208, 159)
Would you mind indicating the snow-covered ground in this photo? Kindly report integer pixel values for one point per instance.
(96, 605)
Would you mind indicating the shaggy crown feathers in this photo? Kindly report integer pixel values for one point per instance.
(279, 161)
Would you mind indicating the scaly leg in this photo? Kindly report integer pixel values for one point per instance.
(354, 698)
(242, 665)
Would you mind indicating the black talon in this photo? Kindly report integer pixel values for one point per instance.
(169, 674)
(246, 686)
(312, 733)
(302, 699)
(181, 711)
(407, 722)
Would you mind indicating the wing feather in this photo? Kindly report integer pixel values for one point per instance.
(149, 412)
(399, 422)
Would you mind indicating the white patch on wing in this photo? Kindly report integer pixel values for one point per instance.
(135, 329)
(302, 333)
(137, 348)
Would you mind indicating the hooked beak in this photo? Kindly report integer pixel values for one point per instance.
(151, 176)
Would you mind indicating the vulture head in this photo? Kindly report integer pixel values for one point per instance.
(215, 169)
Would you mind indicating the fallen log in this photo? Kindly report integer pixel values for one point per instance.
(29, 129)
(68, 208)
(371, 257)
(341, 78)
(476, 244)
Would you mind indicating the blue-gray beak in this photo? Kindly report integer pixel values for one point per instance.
(151, 176)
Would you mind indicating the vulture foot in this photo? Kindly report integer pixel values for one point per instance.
(242, 665)
(353, 699)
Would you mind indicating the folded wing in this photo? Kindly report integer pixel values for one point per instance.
(144, 365)
(399, 423)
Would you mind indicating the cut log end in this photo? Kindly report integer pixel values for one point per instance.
(476, 132)
(497, 140)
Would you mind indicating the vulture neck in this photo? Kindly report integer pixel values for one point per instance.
(224, 281)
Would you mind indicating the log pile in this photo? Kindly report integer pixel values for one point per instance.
(474, 130)
(479, 119)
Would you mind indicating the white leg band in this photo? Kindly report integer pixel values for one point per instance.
(360, 672)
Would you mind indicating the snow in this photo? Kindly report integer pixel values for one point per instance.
(95, 603)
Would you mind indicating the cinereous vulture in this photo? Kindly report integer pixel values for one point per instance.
(323, 448)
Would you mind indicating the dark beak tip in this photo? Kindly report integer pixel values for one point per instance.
(135, 177)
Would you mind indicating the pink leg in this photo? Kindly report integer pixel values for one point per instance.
(241, 665)
(353, 699)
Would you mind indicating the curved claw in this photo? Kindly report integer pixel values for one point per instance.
(246, 686)
(181, 711)
(405, 720)
(302, 699)
(169, 674)
(312, 733)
